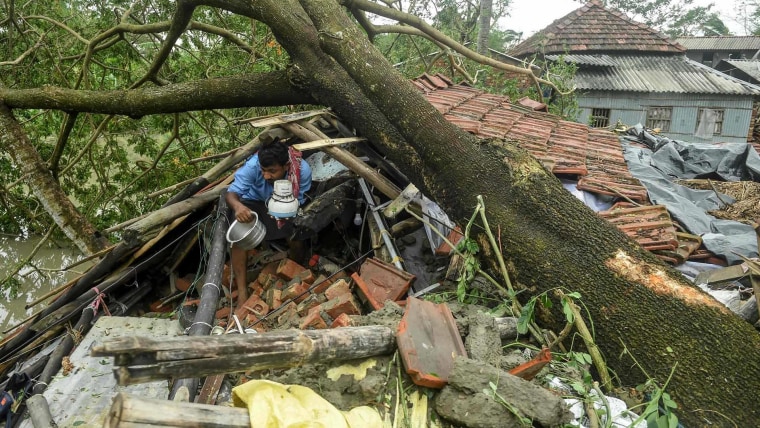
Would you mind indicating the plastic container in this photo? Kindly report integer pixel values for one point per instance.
(247, 235)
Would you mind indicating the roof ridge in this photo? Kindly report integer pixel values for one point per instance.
(569, 34)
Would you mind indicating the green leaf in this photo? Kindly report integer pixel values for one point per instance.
(569, 316)
(526, 316)
(574, 295)
(78, 423)
(672, 420)
(545, 301)
(668, 402)
(662, 421)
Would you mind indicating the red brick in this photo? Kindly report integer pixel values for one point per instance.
(224, 313)
(276, 299)
(310, 302)
(307, 276)
(312, 320)
(337, 288)
(287, 315)
(322, 284)
(253, 318)
(184, 283)
(226, 274)
(343, 304)
(254, 303)
(288, 269)
(256, 288)
(455, 236)
(295, 290)
(343, 320)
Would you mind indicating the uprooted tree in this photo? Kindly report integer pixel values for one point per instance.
(549, 237)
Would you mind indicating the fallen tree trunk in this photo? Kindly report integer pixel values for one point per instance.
(639, 306)
(144, 359)
(132, 411)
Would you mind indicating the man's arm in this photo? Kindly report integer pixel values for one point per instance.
(242, 212)
(305, 183)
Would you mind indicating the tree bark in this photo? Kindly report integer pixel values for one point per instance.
(14, 141)
(226, 92)
(484, 25)
(638, 305)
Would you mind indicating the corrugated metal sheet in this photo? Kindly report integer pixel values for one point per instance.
(83, 397)
(598, 60)
(720, 43)
(676, 74)
(749, 66)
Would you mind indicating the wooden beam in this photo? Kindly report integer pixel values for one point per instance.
(330, 142)
(133, 411)
(142, 359)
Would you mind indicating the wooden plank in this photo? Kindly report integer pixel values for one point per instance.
(280, 119)
(331, 142)
(133, 411)
(210, 390)
(404, 198)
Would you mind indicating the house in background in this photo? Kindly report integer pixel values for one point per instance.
(710, 51)
(742, 69)
(631, 73)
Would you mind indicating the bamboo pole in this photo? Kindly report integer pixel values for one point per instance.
(53, 292)
(210, 291)
(142, 359)
(39, 412)
(133, 411)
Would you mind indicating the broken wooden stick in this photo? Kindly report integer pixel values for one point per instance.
(133, 411)
(143, 359)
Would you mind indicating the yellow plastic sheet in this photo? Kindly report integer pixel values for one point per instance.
(274, 405)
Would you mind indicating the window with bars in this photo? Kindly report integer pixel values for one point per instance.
(600, 117)
(709, 121)
(659, 118)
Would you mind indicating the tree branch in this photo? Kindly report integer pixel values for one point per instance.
(440, 37)
(253, 90)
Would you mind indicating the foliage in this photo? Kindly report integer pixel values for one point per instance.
(109, 165)
(674, 18)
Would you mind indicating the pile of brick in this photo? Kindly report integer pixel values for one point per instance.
(286, 294)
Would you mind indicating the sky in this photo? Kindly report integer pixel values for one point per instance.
(530, 16)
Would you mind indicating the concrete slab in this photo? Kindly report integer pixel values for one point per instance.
(83, 397)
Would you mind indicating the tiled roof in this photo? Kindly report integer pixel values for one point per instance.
(563, 147)
(720, 43)
(749, 66)
(595, 155)
(675, 74)
(594, 29)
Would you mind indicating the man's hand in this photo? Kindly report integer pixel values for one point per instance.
(243, 214)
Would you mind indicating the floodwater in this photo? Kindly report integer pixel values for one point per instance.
(44, 276)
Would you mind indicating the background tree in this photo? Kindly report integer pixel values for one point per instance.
(674, 18)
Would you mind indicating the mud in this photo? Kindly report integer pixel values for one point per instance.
(345, 385)
(476, 391)
(483, 342)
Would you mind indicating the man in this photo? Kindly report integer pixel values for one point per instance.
(253, 185)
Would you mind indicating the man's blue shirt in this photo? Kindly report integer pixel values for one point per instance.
(249, 181)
